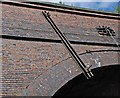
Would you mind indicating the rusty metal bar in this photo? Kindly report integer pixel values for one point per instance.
(37, 39)
(63, 10)
(70, 49)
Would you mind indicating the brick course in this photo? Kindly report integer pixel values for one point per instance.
(22, 21)
(37, 68)
(24, 61)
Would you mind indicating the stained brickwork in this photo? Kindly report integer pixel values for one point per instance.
(41, 68)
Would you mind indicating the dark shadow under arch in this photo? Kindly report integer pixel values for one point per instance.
(106, 82)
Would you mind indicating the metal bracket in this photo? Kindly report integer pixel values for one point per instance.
(104, 30)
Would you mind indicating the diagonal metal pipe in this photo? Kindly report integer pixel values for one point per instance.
(67, 45)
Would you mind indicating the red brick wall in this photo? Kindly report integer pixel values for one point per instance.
(25, 62)
(41, 68)
(21, 21)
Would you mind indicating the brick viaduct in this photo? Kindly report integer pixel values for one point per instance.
(34, 62)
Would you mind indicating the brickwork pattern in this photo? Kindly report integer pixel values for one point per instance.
(28, 63)
(37, 68)
(23, 22)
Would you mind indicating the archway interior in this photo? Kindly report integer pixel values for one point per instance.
(106, 82)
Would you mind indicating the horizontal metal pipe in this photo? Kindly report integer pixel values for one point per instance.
(54, 41)
(73, 8)
(60, 10)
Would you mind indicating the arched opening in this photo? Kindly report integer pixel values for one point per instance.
(106, 82)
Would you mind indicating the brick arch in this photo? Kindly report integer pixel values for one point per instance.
(104, 83)
(60, 74)
(37, 68)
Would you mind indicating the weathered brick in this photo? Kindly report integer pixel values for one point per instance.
(37, 68)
